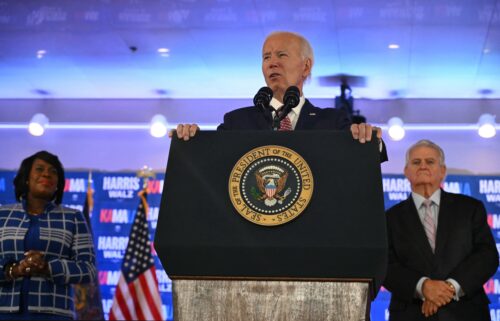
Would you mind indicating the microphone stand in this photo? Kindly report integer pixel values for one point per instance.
(268, 115)
(276, 122)
(276, 119)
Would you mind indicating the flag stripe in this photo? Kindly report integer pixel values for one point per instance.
(120, 309)
(142, 293)
(116, 312)
(151, 277)
(151, 299)
(143, 303)
(137, 305)
(127, 302)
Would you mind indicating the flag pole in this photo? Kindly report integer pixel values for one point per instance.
(145, 173)
(87, 297)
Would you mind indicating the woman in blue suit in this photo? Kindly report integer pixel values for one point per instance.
(45, 247)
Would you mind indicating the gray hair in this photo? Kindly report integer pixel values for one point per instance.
(306, 50)
(426, 143)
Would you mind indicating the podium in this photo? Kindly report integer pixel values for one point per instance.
(326, 263)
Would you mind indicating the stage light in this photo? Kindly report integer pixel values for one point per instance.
(164, 52)
(158, 127)
(40, 53)
(486, 125)
(38, 124)
(396, 130)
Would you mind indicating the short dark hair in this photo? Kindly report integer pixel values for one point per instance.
(22, 176)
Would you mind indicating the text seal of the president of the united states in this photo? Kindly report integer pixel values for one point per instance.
(271, 185)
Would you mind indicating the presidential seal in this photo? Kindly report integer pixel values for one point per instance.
(270, 185)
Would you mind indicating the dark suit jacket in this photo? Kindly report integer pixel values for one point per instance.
(310, 117)
(465, 251)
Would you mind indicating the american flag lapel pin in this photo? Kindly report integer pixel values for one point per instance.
(312, 114)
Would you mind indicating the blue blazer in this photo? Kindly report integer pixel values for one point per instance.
(69, 252)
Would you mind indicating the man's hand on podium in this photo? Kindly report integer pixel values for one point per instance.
(363, 132)
(185, 131)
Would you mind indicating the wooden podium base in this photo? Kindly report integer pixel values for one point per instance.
(236, 300)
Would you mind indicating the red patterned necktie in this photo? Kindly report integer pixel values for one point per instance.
(286, 124)
(429, 224)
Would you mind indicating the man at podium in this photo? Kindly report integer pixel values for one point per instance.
(287, 61)
(239, 233)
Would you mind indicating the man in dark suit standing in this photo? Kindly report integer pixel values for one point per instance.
(287, 60)
(441, 250)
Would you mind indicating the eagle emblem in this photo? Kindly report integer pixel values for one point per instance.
(271, 181)
(270, 185)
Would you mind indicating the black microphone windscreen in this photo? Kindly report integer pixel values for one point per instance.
(263, 97)
(292, 97)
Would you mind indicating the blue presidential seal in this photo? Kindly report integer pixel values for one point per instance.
(271, 185)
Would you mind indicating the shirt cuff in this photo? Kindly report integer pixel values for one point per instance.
(418, 289)
(458, 289)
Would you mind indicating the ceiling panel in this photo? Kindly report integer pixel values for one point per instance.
(447, 48)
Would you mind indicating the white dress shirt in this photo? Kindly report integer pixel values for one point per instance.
(293, 114)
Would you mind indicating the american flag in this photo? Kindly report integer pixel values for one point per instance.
(137, 296)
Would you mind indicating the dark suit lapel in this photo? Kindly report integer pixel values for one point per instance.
(307, 117)
(260, 121)
(445, 221)
(416, 230)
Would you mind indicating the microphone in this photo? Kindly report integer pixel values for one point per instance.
(291, 97)
(263, 98)
(291, 100)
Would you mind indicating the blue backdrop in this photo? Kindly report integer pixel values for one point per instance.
(116, 200)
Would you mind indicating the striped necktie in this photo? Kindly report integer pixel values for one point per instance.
(286, 124)
(429, 224)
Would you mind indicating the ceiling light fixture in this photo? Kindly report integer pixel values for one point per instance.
(396, 130)
(393, 46)
(37, 124)
(164, 52)
(158, 127)
(486, 126)
(41, 53)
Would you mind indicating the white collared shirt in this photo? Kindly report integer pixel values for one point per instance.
(419, 200)
(293, 114)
